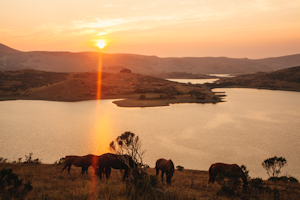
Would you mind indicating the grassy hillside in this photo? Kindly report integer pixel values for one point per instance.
(285, 79)
(49, 183)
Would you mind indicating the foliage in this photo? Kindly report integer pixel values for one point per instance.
(273, 166)
(284, 179)
(161, 96)
(30, 160)
(246, 172)
(3, 159)
(128, 144)
(180, 168)
(142, 96)
(230, 183)
(11, 186)
(140, 184)
(257, 185)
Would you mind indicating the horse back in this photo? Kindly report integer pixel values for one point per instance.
(111, 160)
(217, 168)
(165, 165)
(89, 160)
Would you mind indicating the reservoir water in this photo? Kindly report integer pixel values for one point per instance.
(251, 126)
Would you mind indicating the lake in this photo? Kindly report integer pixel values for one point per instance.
(251, 126)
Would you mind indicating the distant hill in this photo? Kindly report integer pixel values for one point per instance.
(284, 79)
(11, 59)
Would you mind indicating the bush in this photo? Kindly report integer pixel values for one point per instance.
(11, 186)
(29, 159)
(180, 168)
(257, 185)
(230, 183)
(142, 96)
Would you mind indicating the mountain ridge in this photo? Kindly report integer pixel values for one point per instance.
(58, 61)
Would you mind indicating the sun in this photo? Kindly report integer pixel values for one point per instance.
(101, 44)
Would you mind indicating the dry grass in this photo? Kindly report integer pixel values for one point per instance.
(49, 183)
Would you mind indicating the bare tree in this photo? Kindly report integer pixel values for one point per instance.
(128, 144)
(273, 167)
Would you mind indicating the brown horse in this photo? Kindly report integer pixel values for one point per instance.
(217, 168)
(166, 166)
(109, 160)
(81, 161)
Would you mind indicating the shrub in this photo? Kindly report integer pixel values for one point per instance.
(29, 159)
(230, 183)
(11, 186)
(257, 185)
(180, 168)
(142, 96)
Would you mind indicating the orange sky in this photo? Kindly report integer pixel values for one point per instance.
(165, 28)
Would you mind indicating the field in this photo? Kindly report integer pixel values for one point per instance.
(49, 183)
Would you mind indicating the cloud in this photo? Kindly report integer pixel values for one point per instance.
(147, 19)
(111, 6)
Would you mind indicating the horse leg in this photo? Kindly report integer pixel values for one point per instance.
(125, 174)
(63, 168)
(107, 172)
(162, 176)
(157, 171)
(211, 180)
(100, 171)
(69, 169)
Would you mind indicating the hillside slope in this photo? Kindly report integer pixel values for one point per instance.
(11, 59)
(284, 79)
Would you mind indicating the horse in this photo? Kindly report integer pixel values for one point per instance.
(217, 168)
(90, 160)
(73, 160)
(166, 166)
(108, 160)
(81, 161)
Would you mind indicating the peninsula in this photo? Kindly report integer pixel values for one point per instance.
(129, 89)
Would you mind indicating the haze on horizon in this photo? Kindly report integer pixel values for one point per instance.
(165, 28)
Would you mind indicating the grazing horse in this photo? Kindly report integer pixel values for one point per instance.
(109, 160)
(166, 166)
(217, 168)
(81, 161)
(90, 160)
(73, 160)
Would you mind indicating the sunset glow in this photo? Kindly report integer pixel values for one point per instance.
(253, 29)
(99, 78)
(101, 44)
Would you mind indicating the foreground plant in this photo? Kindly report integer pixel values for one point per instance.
(11, 186)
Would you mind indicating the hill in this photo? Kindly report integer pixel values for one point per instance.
(49, 183)
(11, 59)
(284, 79)
(140, 90)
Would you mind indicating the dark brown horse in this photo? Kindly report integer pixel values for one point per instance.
(81, 161)
(166, 166)
(217, 168)
(109, 160)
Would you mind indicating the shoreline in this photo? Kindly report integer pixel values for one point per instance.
(129, 101)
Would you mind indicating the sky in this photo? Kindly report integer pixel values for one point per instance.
(164, 28)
